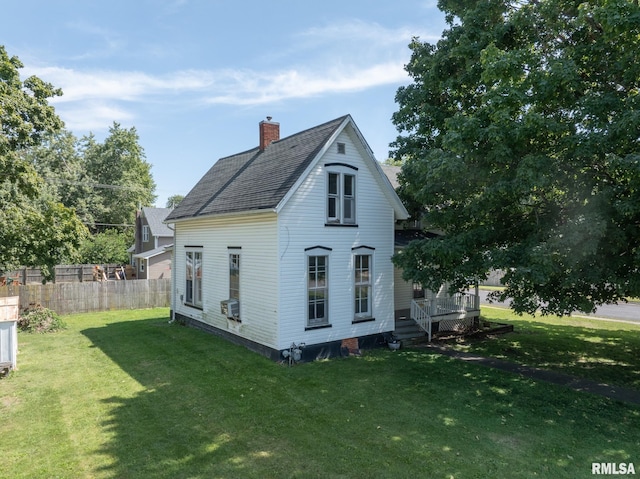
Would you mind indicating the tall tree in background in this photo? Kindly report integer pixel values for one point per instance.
(174, 200)
(62, 167)
(34, 230)
(520, 136)
(122, 177)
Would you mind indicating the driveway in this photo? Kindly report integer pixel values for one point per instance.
(622, 311)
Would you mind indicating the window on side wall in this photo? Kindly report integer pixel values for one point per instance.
(318, 291)
(341, 198)
(418, 291)
(234, 276)
(234, 279)
(363, 288)
(193, 283)
(145, 233)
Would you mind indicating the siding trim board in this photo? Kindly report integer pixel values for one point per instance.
(341, 164)
(340, 225)
(326, 248)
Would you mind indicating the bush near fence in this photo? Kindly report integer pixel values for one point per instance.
(69, 298)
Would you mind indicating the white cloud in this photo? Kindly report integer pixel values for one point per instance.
(361, 33)
(93, 115)
(252, 88)
(342, 57)
(92, 89)
(119, 85)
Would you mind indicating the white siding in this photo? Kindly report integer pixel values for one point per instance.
(403, 291)
(301, 225)
(256, 236)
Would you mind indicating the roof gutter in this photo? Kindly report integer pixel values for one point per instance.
(243, 213)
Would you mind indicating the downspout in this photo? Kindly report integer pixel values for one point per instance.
(173, 277)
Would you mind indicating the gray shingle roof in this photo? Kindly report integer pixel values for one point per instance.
(155, 218)
(254, 179)
(392, 172)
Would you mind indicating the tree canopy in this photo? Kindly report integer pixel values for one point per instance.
(34, 230)
(122, 177)
(174, 200)
(520, 140)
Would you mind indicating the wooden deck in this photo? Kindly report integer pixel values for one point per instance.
(427, 317)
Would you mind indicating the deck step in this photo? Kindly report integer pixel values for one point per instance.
(407, 329)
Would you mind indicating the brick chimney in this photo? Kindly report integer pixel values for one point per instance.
(269, 132)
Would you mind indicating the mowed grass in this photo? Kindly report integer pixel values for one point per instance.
(600, 350)
(128, 395)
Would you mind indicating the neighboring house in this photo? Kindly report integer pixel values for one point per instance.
(290, 243)
(151, 255)
(419, 311)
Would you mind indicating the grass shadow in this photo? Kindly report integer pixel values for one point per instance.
(208, 408)
(607, 355)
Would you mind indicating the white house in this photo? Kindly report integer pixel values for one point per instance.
(290, 243)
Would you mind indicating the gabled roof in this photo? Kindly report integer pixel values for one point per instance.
(155, 219)
(258, 180)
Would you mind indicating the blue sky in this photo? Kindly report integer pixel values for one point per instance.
(196, 77)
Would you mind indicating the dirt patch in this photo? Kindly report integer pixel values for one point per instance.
(9, 401)
(483, 329)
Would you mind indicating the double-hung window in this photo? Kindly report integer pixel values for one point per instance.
(363, 289)
(318, 291)
(234, 276)
(341, 198)
(193, 283)
(145, 233)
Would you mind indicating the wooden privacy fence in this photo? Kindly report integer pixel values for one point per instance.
(70, 273)
(69, 298)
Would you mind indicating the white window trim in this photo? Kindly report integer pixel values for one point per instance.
(318, 251)
(196, 302)
(235, 252)
(145, 233)
(364, 251)
(340, 197)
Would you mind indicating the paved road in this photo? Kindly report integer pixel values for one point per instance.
(624, 311)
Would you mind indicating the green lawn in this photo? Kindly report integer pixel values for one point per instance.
(604, 351)
(127, 395)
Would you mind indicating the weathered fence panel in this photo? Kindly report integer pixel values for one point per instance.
(69, 298)
(70, 273)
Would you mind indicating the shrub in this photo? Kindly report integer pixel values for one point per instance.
(38, 319)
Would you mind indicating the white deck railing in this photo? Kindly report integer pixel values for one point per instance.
(426, 311)
(421, 316)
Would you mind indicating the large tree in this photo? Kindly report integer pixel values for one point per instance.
(122, 177)
(520, 137)
(62, 167)
(34, 230)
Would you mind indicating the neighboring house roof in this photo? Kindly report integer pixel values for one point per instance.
(392, 172)
(264, 179)
(155, 219)
(153, 252)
